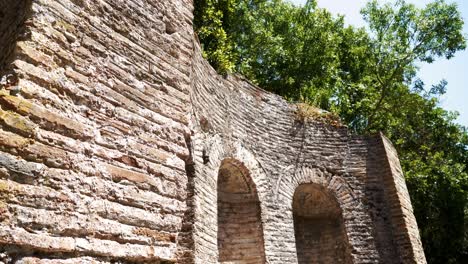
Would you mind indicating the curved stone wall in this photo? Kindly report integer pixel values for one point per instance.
(114, 128)
(229, 114)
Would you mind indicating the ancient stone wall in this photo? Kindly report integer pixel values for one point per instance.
(93, 148)
(234, 119)
(120, 144)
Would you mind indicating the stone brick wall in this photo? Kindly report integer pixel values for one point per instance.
(405, 228)
(234, 119)
(115, 132)
(92, 150)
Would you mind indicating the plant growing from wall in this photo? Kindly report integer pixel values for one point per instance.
(210, 20)
(305, 113)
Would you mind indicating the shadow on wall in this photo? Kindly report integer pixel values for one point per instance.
(240, 234)
(318, 226)
(13, 15)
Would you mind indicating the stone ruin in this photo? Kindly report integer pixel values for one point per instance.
(120, 144)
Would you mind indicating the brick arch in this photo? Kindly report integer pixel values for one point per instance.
(337, 189)
(217, 151)
(319, 228)
(211, 154)
(286, 185)
(240, 230)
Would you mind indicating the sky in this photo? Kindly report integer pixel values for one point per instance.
(454, 71)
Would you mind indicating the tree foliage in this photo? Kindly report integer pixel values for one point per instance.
(368, 76)
(210, 19)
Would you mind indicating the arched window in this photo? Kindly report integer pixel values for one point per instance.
(240, 234)
(318, 226)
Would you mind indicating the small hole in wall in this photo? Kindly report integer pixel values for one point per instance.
(204, 124)
(205, 157)
(170, 29)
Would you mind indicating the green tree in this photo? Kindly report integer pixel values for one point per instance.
(433, 149)
(403, 35)
(433, 154)
(210, 21)
(290, 50)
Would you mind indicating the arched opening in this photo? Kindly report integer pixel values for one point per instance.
(240, 234)
(318, 226)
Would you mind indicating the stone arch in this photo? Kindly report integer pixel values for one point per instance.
(335, 194)
(217, 150)
(210, 152)
(240, 232)
(318, 226)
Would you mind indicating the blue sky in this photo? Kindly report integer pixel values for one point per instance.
(455, 70)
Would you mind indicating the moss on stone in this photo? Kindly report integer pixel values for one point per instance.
(17, 123)
(7, 191)
(305, 113)
(65, 25)
(4, 187)
(20, 105)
